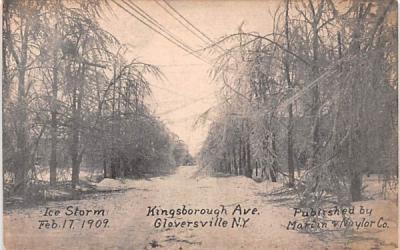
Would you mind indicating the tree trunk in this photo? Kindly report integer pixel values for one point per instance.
(240, 161)
(244, 160)
(355, 187)
(115, 164)
(290, 107)
(53, 129)
(315, 97)
(104, 163)
(290, 147)
(354, 140)
(273, 170)
(249, 170)
(256, 168)
(76, 156)
(75, 141)
(234, 160)
(22, 157)
(114, 157)
(5, 69)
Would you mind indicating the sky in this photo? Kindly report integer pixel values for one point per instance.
(186, 91)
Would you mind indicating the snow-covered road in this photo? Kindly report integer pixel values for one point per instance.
(129, 227)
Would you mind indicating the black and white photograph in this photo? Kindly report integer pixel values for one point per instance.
(199, 124)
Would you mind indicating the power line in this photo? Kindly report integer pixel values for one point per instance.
(170, 91)
(182, 119)
(179, 65)
(159, 26)
(188, 50)
(184, 105)
(153, 29)
(177, 19)
(188, 22)
(153, 21)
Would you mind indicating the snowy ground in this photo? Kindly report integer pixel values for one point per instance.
(130, 228)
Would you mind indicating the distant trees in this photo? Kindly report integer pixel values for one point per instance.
(71, 99)
(181, 153)
(318, 95)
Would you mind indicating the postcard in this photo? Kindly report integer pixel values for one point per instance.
(200, 124)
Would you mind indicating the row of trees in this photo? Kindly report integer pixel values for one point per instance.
(317, 95)
(71, 99)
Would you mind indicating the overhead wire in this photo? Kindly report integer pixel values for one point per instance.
(185, 105)
(153, 21)
(190, 23)
(183, 119)
(177, 19)
(161, 29)
(158, 32)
